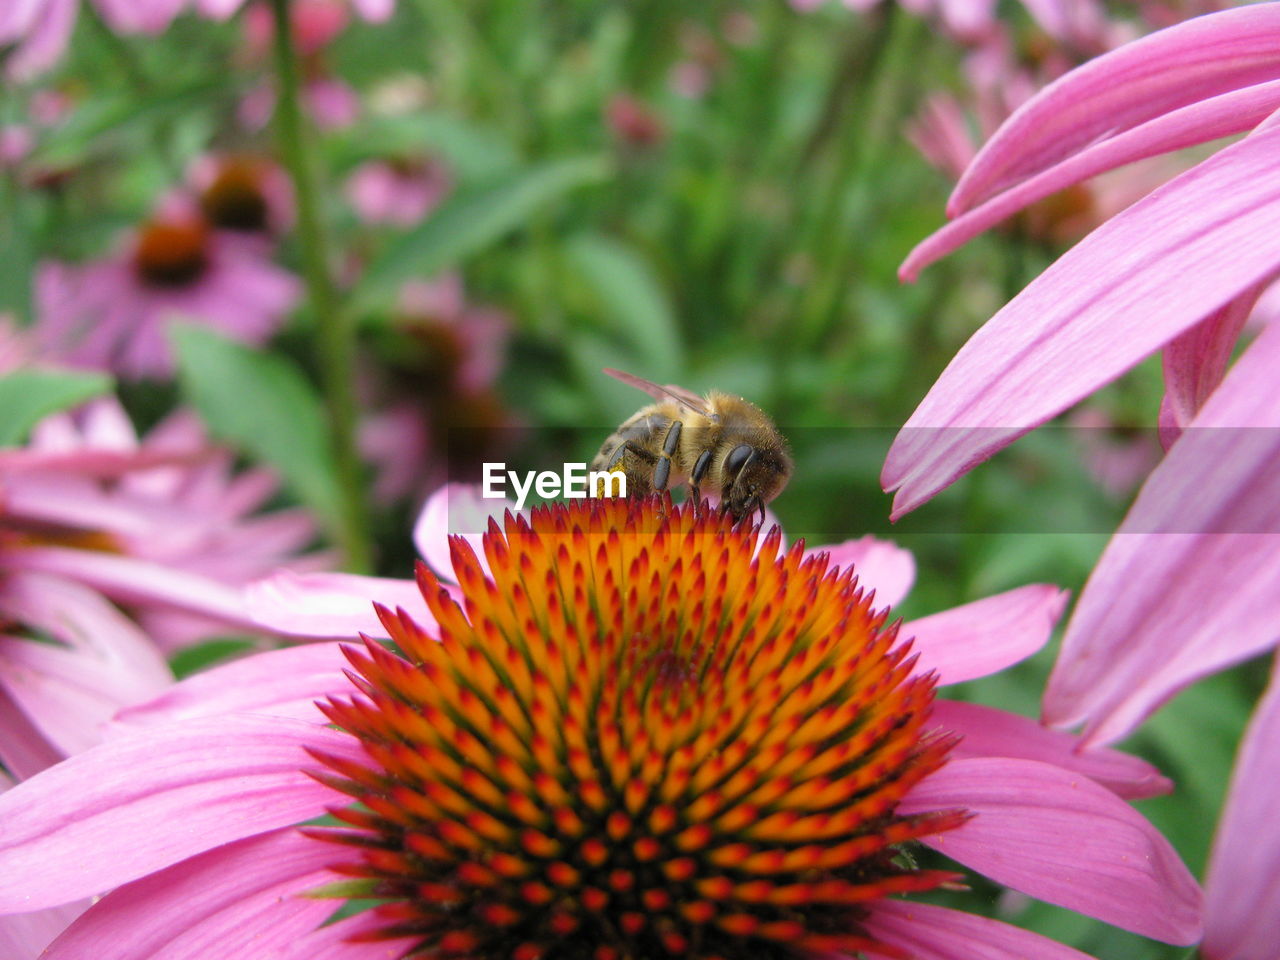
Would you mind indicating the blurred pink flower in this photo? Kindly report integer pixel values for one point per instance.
(400, 192)
(1179, 269)
(113, 314)
(164, 526)
(633, 122)
(190, 811)
(316, 24)
(243, 193)
(313, 15)
(16, 141)
(331, 104)
(435, 392)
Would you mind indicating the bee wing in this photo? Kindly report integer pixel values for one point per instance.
(686, 398)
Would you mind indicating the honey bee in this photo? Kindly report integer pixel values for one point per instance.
(719, 443)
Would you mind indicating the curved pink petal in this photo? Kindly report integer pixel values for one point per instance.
(1195, 60)
(374, 10)
(330, 604)
(456, 509)
(1208, 519)
(1230, 113)
(881, 566)
(1060, 837)
(279, 683)
(131, 580)
(238, 900)
(1242, 889)
(987, 635)
(341, 941)
(989, 732)
(1195, 362)
(1136, 282)
(24, 748)
(141, 803)
(936, 933)
(23, 936)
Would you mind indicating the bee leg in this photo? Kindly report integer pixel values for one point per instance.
(699, 471)
(662, 471)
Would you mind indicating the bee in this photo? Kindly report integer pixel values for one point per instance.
(719, 443)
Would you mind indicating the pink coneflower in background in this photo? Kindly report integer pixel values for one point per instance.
(243, 193)
(435, 412)
(400, 191)
(751, 729)
(633, 122)
(113, 314)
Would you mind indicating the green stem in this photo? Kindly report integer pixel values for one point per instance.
(335, 333)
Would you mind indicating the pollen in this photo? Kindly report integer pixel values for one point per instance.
(645, 732)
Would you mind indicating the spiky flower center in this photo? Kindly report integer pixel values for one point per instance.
(637, 738)
(172, 254)
(236, 199)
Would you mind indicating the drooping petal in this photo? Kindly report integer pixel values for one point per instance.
(987, 635)
(1195, 362)
(1242, 889)
(222, 779)
(1060, 837)
(1207, 519)
(279, 683)
(23, 936)
(989, 732)
(243, 899)
(1135, 283)
(881, 566)
(329, 604)
(1195, 60)
(1220, 116)
(455, 509)
(132, 580)
(24, 749)
(935, 933)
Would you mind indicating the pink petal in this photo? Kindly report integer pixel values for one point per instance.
(141, 803)
(336, 942)
(23, 936)
(1062, 838)
(1220, 116)
(456, 508)
(374, 10)
(238, 900)
(1192, 61)
(24, 749)
(1190, 583)
(279, 683)
(936, 933)
(1242, 909)
(330, 604)
(987, 635)
(1142, 278)
(1195, 361)
(989, 732)
(131, 580)
(881, 566)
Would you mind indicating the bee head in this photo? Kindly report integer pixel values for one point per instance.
(753, 477)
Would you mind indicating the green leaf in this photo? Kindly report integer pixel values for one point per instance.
(473, 153)
(262, 403)
(634, 304)
(468, 223)
(27, 396)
